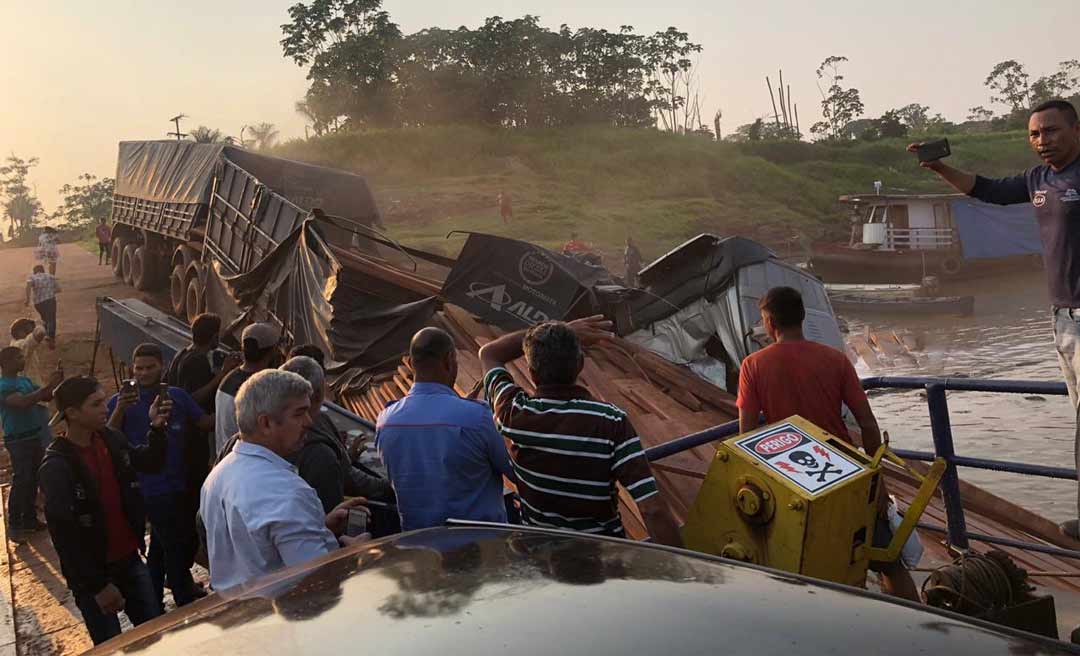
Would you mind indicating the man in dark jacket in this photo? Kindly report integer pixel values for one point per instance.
(322, 461)
(94, 507)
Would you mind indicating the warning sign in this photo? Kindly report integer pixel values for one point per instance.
(812, 465)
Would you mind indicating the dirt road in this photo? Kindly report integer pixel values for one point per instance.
(37, 612)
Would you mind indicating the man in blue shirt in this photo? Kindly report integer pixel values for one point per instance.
(172, 529)
(1053, 189)
(23, 420)
(442, 453)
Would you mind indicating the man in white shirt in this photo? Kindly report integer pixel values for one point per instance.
(260, 516)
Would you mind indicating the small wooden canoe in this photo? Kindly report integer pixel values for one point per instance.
(919, 305)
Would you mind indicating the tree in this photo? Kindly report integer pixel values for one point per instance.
(1061, 84)
(839, 106)
(263, 135)
(203, 134)
(21, 205)
(1009, 81)
(674, 78)
(980, 114)
(86, 203)
(890, 125)
(351, 46)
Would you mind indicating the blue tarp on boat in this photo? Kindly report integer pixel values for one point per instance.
(995, 230)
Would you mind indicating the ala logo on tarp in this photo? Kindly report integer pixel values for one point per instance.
(1039, 199)
(500, 301)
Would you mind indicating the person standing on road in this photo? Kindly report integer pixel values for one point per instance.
(1053, 188)
(260, 516)
(41, 291)
(48, 250)
(104, 240)
(94, 509)
(172, 523)
(27, 335)
(24, 420)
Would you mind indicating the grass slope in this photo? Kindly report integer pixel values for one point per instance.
(609, 183)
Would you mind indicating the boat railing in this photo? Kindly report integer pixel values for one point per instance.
(944, 448)
(919, 238)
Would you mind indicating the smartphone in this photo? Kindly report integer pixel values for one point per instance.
(128, 386)
(357, 523)
(163, 390)
(931, 151)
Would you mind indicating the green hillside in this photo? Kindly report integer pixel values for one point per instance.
(608, 183)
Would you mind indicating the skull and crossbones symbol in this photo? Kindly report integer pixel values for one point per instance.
(810, 462)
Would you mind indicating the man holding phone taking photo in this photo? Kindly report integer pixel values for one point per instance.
(1053, 188)
(172, 526)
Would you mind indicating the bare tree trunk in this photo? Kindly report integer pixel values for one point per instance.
(773, 99)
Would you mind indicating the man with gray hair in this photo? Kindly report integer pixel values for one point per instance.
(569, 449)
(322, 459)
(259, 515)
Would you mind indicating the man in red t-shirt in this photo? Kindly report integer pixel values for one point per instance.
(794, 376)
(95, 510)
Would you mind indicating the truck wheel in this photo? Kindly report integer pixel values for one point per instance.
(178, 291)
(127, 262)
(143, 270)
(116, 254)
(194, 299)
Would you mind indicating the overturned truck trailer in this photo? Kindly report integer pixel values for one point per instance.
(183, 211)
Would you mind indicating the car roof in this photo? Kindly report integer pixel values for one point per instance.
(485, 588)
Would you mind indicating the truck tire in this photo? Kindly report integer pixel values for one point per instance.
(127, 263)
(194, 299)
(116, 254)
(178, 291)
(144, 270)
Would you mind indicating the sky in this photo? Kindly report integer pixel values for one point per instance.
(78, 77)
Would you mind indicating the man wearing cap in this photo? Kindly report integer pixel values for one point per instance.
(24, 421)
(94, 507)
(260, 350)
(165, 497)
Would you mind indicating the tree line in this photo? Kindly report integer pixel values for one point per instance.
(1009, 84)
(364, 72)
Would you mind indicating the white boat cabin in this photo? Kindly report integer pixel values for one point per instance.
(902, 222)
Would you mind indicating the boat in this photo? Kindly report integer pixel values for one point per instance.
(903, 238)
(907, 305)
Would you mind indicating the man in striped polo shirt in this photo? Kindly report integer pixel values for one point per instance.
(569, 450)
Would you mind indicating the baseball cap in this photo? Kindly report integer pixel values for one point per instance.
(265, 335)
(71, 393)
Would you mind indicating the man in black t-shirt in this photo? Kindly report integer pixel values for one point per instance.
(1054, 190)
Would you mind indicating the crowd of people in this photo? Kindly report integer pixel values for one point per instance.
(231, 457)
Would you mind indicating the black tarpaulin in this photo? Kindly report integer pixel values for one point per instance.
(167, 171)
(183, 172)
(511, 283)
(318, 302)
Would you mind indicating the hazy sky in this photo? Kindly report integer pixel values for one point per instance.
(77, 77)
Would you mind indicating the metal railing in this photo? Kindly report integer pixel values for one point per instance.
(944, 447)
(919, 238)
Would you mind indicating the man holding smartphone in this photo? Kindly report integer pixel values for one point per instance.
(172, 524)
(1053, 188)
(94, 508)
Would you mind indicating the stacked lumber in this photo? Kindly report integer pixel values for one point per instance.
(666, 401)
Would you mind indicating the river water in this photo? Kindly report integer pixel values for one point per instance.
(1009, 336)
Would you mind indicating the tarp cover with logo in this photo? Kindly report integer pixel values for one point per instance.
(513, 284)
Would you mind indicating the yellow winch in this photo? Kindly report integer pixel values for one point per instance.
(793, 497)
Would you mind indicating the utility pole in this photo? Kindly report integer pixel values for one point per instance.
(176, 120)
